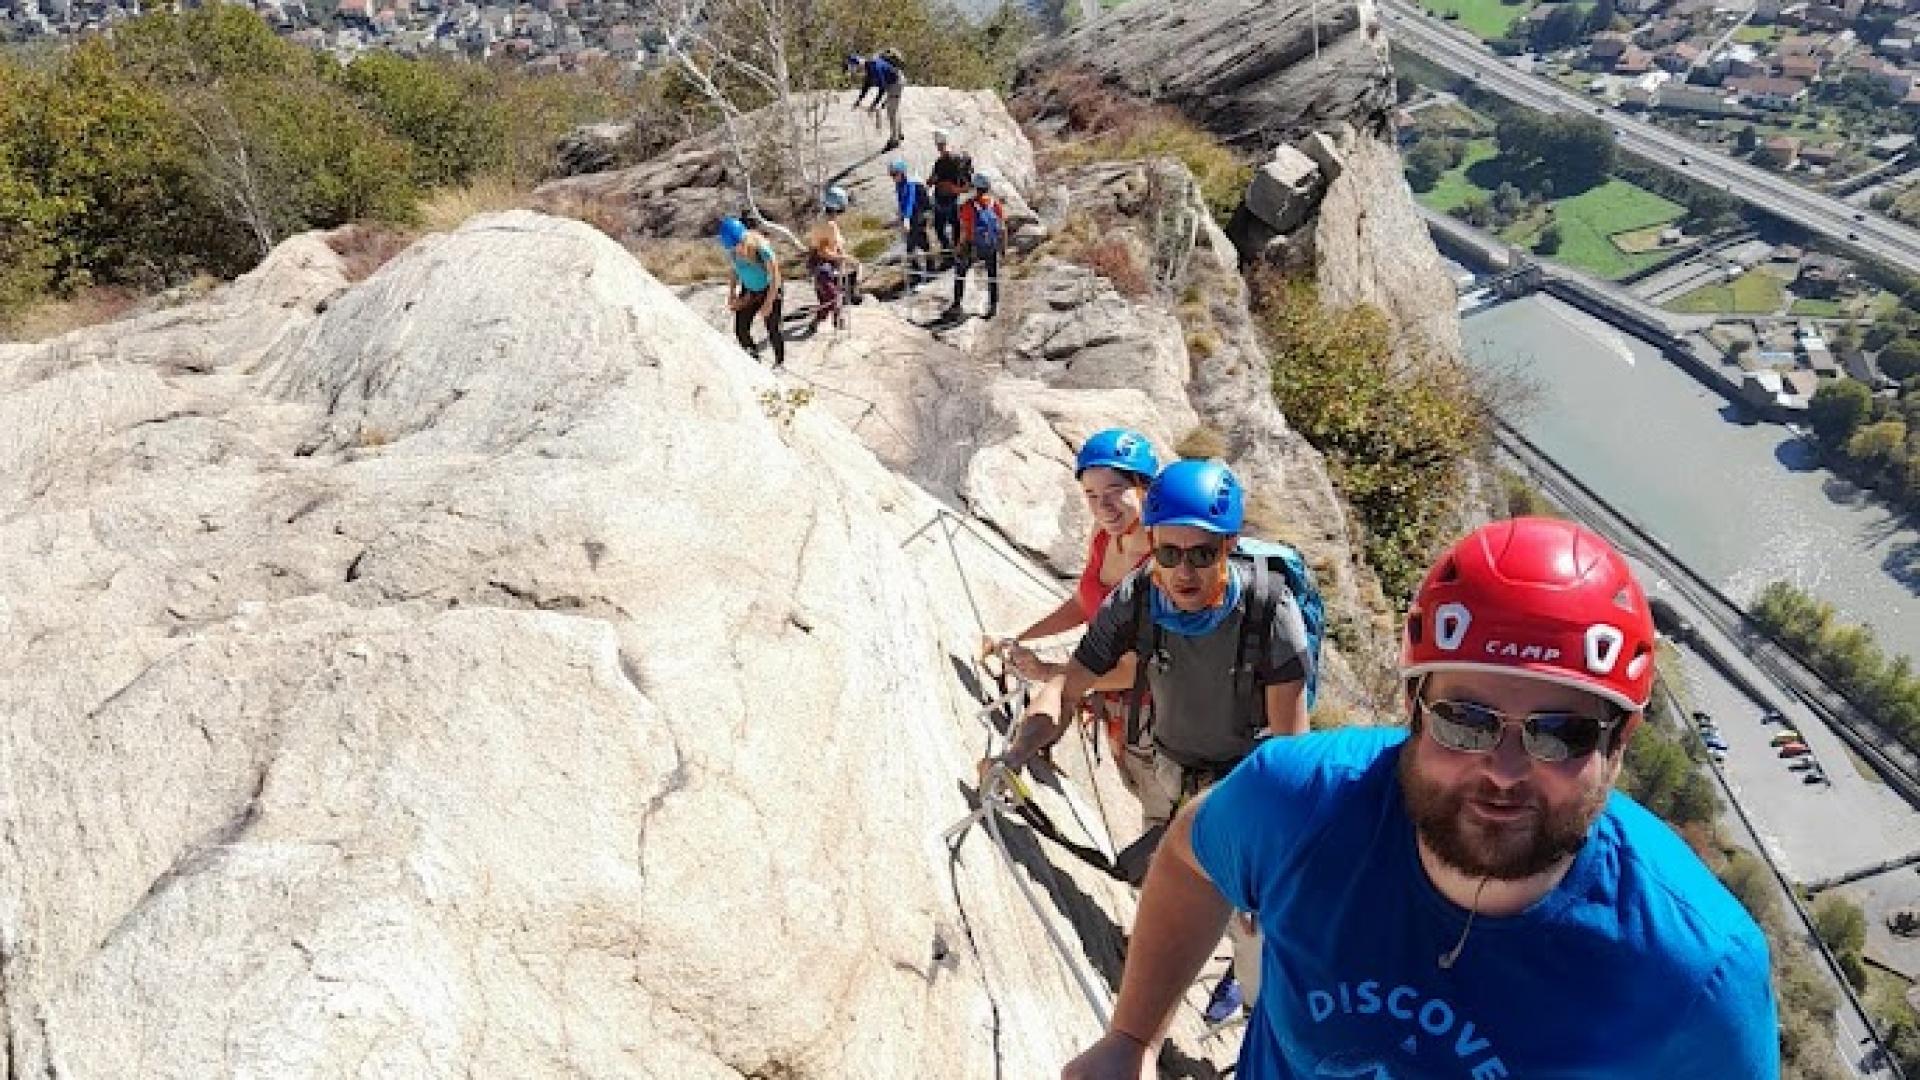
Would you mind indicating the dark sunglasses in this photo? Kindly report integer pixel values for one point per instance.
(1472, 728)
(1201, 557)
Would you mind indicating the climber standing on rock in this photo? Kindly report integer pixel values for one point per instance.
(882, 75)
(983, 236)
(951, 177)
(1114, 468)
(1220, 644)
(915, 207)
(1465, 896)
(836, 274)
(753, 288)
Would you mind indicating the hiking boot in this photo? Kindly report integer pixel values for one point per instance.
(991, 308)
(891, 143)
(954, 311)
(1226, 1000)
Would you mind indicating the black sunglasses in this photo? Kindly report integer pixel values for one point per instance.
(1472, 728)
(1201, 557)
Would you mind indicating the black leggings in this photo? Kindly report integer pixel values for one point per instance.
(743, 325)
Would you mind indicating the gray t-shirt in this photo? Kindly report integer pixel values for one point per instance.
(1195, 716)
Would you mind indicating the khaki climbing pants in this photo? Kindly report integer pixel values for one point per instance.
(1162, 785)
(893, 96)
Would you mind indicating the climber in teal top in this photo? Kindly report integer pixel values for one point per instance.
(1465, 898)
(754, 288)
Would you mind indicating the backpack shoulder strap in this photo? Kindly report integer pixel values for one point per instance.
(1256, 640)
(1146, 641)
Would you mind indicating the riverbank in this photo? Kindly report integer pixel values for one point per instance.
(1680, 338)
(1744, 503)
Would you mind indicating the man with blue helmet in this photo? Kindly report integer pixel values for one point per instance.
(1221, 675)
(916, 209)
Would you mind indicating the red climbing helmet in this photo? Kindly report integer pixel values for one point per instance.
(1538, 596)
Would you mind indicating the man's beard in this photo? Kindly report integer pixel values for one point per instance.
(1501, 851)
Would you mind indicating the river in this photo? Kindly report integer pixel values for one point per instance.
(1744, 504)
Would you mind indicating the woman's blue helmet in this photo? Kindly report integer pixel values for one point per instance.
(1117, 448)
(1203, 494)
(732, 231)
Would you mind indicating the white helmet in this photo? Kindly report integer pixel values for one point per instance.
(939, 136)
(835, 199)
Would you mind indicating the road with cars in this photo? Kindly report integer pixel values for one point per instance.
(1854, 228)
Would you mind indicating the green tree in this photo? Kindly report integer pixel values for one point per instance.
(1748, 879)
(1838, 407)
(1549, 241)
(1747, 140)
(1840, 923)
(1426, 161)
(441, 109)
(203, 45)
(1901, 360)
(1879, 444)
(115, 163)
(1561, 28)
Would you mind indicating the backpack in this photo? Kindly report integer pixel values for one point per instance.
(892, 56)
(986, 227)
(1277, 573)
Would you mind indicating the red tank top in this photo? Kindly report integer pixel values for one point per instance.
(1092, 590)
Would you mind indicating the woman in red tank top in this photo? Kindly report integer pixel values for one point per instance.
(1114, 468)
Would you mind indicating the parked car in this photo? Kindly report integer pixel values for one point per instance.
(1772, 716)
(1701, 718)
(1717, 755)
(1794, 749)
(1715, 742)
(1808, 762)
(1814, 776)
(1781, 738)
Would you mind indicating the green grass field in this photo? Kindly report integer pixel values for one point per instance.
(1453, 187)
(1487, 18)
(1755, 292)
(1588, 222)
(1816, 309)
(1755, 34)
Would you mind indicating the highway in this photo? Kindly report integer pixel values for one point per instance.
(1853, 228)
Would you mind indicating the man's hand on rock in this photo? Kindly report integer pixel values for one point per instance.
(1114, 1057)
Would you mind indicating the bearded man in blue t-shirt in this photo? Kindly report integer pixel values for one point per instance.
(1468, 898)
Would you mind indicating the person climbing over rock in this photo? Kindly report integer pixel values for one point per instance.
(915, 209)
(983, 232)
(1219, 644)
(753, 289)
(1465, 896)
(888, 82)
(1113, 468)
(835, 273)
(950, 179)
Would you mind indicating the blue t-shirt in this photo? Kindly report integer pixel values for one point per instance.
(1639, 964)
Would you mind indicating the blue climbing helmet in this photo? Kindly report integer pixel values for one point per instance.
(897, 167)
(1120, 449)
(732, 231)
(1203, 494)
(835, 199)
